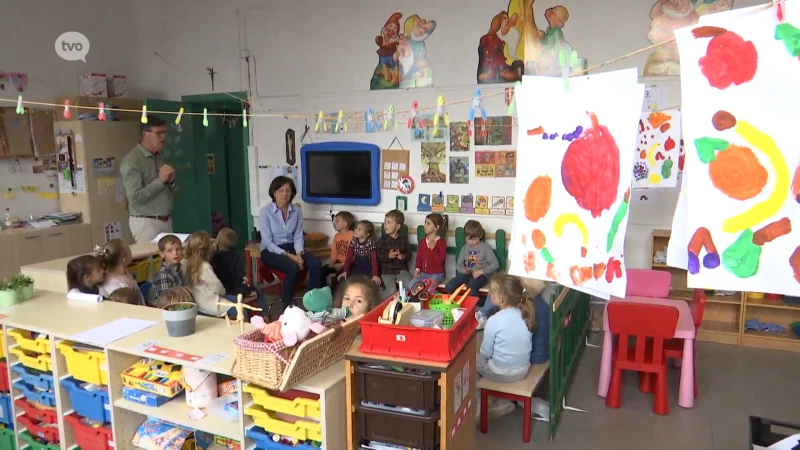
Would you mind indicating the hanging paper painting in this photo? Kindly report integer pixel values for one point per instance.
(658, 150)
(737, 70)
(433, 158)
(402, 54)
(571, 215)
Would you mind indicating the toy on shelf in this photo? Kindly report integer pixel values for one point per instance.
(319, 307)
(292, 327)
(240, 307)
(154, 376)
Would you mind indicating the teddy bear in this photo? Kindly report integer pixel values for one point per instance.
(319, 306)
(292, 327)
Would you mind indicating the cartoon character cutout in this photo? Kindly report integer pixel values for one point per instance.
(666, 16)
(415, 69)
(497, 51)
(387, 73)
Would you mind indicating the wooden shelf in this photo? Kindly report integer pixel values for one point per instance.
(713, 326)
(778, 341)
(776, 304)
(681, 294)
(175, 411)
(664, 266)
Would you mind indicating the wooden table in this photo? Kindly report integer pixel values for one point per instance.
(685, 330)
(457, 417)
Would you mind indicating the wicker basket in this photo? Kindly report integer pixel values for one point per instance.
(275, 366)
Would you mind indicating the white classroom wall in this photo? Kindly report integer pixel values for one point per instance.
(309, 56)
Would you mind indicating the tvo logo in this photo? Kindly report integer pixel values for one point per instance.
(72, 46)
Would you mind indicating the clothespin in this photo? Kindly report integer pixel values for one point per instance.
(244, 117)
(440, 113)
(341, 125)
(389, 118)
(780, 9)
(477, 103)
(180, 116)
(414, 114)
(566, 68)
(321, 123)
(205, 117)
(371, 121)
(144, 114)
(101, 115)
(513, 105)
(67, 114)
(20, 108)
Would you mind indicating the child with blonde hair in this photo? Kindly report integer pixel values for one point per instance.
(199, 276)
(115, 256)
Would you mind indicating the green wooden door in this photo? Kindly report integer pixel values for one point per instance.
(191, 211)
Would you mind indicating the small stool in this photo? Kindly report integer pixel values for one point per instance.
(521, 391)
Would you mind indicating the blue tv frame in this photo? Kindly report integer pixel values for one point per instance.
(344, 147)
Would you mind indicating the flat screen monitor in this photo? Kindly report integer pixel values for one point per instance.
(341, 173)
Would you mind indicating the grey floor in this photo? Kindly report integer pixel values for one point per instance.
(734, 383)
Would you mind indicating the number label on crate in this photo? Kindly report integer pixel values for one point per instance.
(401, 337)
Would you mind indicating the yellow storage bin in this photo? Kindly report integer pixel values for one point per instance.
(85, 365)
(26, 340)
(301, 429)
(33, 360)
(140, 270)
(755, 295)
(298, 407)
(2, 344)
(156, 264)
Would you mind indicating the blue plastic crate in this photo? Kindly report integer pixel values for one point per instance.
(35, 378)
(90, 404)
(6, 414)
(46, 398)
(264, 441)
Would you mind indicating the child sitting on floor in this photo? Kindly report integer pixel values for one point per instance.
(476, 262)
(359, 294)
(206, 288)
(169, 275)
(431, 253)
(115, 255)
(229, 267)
(342, 223)
(85, 274)
(362, 255)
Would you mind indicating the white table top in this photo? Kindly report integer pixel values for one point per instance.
(685, 328)
(142, 250)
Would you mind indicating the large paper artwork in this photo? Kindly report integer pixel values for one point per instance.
(658, 150)
(571, 221)
(402, 54)
(742, 151)
(666, 16)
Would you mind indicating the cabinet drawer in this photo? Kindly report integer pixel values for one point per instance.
(79, 239)
(56, 244)
(29, 248)
(409, 390)
(397, 428)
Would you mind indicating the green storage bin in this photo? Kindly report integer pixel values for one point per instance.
(32, 444)
(7, 439)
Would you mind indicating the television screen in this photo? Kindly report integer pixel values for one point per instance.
(343, 174)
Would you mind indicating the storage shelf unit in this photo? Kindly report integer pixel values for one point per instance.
(725, 315)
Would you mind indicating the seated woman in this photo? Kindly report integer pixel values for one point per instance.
(281, 226)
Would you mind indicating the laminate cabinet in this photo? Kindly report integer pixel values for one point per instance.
(23, 246)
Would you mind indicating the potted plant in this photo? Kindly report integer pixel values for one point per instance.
(180, 318)
(8, 293)
(24, 287)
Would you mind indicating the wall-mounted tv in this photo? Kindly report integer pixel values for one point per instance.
(346, 173)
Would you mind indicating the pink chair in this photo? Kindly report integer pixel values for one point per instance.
(673, 348)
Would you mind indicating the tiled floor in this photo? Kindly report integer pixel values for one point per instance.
(734, 383)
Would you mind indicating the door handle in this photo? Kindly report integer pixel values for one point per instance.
(32, 237)
(55, 234)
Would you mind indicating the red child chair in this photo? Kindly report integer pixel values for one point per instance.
(673, 348)
(650, 326)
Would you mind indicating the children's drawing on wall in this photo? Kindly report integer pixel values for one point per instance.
(570, 224)
(422, 130)
(433, 156)
(658, 150)
(467, 204)
(496, 164)
(437, 202)
(666, 16)
(742, 152)
(459, 137)
(538, 49)
(452, 204)
(387, 73)
(424, 203)
(498, 61)
(481, 204)
(459, 170)
(496, 130)
(402, 54)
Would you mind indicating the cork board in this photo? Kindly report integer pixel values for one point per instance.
(16, 131)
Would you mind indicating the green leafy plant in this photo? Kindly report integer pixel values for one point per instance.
(24, 280)
(15, 283)
(5, 286)
(179, 307)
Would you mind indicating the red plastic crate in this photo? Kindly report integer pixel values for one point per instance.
(4, 387)
(42, 415)
(99, 438)
(40, 429)
(417, 343)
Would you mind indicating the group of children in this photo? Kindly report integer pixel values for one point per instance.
(386, 261)
(208, 272)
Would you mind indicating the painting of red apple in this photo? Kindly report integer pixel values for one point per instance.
(729, 59)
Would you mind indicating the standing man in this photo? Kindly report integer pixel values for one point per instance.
(149, 183)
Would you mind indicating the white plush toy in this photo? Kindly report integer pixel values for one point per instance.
(295, 326)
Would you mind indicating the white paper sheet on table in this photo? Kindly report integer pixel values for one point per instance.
(616, 99)
(113, 331)
(761, 105)
(676, 249)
